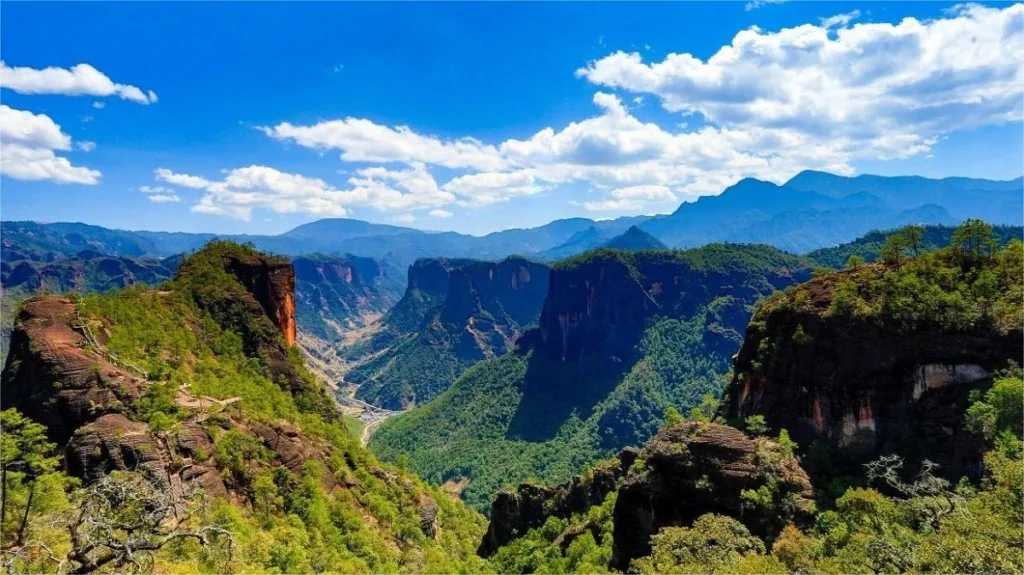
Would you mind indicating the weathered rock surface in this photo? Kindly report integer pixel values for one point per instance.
(272, 283)
(54, 375)
(695, 468)
(513, 513)
(865, 384)
(599, 307)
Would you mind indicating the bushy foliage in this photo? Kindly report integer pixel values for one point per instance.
(279, 520)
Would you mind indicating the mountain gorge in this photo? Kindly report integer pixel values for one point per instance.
(453, 314)
(613, 405)
(621, 338)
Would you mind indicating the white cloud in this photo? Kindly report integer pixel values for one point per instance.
(164, 198)
(490, 187)
(80, 80)
(878, 90)
(632, 198)
(364, 141)
(25, 163)
(755, 4)
(442, 214)
(28, 143)
(99, 105)
(156, 190)
(183, 180)
(260, 187)
(767, 105)
(86, 146)
(840, 20)
(33, 130)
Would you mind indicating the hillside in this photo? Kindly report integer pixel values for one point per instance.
(888, 355)
(906, 365)
(25, 271)
(621, 338)
(453, 314)
(868, 246)
(160, 400)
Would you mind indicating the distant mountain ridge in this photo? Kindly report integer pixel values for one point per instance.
(812, 210)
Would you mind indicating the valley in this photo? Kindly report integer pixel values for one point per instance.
(523, 415)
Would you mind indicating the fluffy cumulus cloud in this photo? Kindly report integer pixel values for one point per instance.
(28, 146)
(767, 105)
(184, 180)
(261, 187)
(442, 214)
(877, 89)
(79, 80)
(364, 141)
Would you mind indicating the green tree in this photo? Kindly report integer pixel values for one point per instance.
(913, 236)
(974, 238)
(756, 425)
(711, 544)
(25, 456)
(672, 417)
(854, 262)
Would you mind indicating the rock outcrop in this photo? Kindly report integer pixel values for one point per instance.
(56, 375)
(513, 513)
(59, 375)
(598, 304)
(695, 468)
(272, 282)
(454, 313)
(864, 385)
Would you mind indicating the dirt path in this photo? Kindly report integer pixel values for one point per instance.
(368, 430)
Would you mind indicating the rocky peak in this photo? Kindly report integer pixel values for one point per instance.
(695, 468)
(272, 282)
(56, 375)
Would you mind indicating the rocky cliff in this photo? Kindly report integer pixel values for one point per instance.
(598, 304)
(58, 373)
(454, 313)
(54, 375)
(686, 471)
(337, 294)
(695, 468)
(271, 281)
(854, 361)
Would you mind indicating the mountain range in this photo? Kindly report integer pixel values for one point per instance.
(812, 210)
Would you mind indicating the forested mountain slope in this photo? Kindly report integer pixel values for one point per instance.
(453, 314)
(899, 384)
(622, 337)
(193, 399)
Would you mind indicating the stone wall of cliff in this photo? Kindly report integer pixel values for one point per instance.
(865, 385)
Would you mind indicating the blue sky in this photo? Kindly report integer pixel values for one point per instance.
(254, 118)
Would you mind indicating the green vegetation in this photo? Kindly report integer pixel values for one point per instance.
(465, 311)
(526, 415)
(547, 549)
(192, 337)
(923, 525)
(869, 247)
